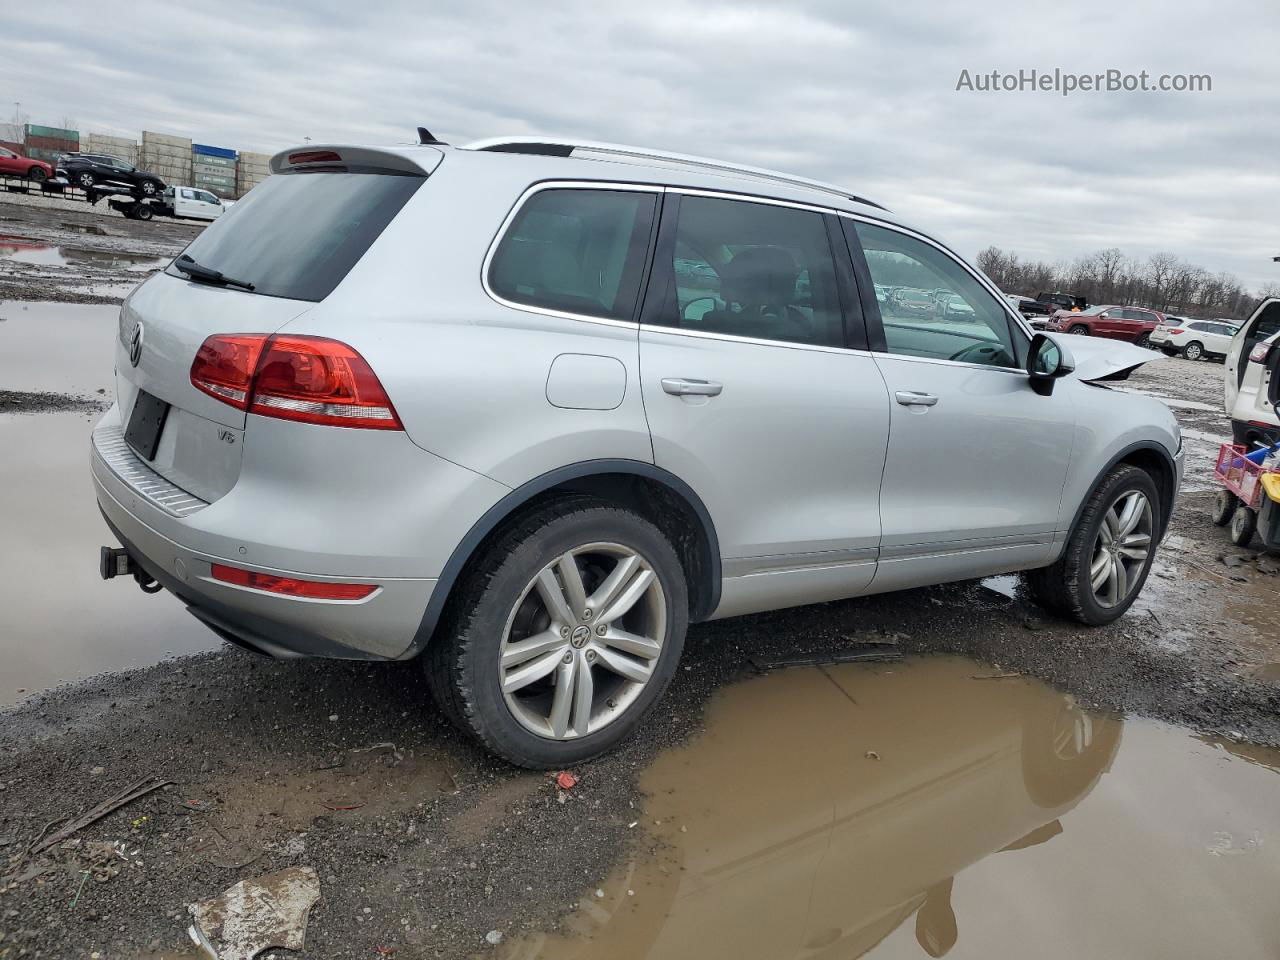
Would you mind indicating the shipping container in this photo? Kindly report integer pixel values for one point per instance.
(56, 133)
(225, 153)
(217, 163)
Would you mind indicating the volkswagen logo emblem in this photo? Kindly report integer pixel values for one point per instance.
(135, 344)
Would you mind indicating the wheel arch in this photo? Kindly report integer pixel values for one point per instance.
(656, 494)
(1147, 455)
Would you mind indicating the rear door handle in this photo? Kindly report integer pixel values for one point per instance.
(909, 398)
(679, 387)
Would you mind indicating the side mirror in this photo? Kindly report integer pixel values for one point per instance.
(1047, 361)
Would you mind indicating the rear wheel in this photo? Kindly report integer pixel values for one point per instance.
(37, 175)
(1224, 507)
(1193, 350)
(148, 188)
(1108, 556)
(1079, 329)
(563, 635)
(1144, 341)
(142, 211)
(1243, 525)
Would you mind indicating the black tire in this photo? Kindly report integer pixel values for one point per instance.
(1193, 350)
(462, 660)
(1079, 330)
(143, 211)
(85, 179)
(37, 175)
(1243, 525)
(1144, 341)
(149, 188)
(1063, 586)
(1224, 507)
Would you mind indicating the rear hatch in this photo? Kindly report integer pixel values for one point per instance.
(292, 240)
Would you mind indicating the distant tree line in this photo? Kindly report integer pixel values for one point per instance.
(1162, 282)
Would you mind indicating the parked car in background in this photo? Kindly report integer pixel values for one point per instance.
(911, 302)
(952, 307)
(1063, 301)
(90, 169)
(1029, 307)
(1112, 321)
(16, 165)
(1253, 419)
(1194, 338)
(533, 476)
(190, 203)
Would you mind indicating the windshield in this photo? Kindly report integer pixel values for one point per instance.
(297, 235)
(1093, 311)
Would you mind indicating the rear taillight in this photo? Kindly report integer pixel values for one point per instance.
(1173, 332)
(224, 367)
(291, 586)
(308, 379)
(1260, 353)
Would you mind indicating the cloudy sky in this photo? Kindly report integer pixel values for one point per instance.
(861, 94)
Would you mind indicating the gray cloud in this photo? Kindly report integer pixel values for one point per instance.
(860, 95)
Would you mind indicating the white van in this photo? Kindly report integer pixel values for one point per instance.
(1253, 420)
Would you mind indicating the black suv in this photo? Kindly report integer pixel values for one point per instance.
(90, 169)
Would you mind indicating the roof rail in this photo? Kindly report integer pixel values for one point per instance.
(550, 146)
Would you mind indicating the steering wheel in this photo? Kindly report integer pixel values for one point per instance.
(980, 353)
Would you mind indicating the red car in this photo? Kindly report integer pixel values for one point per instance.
(1108, 320)
(15, 165)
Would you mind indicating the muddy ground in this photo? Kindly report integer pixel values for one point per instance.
(423, 844)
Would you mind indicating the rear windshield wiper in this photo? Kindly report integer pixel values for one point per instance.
(197, 271)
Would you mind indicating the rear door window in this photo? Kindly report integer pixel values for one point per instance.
(578, 251)
(752, 270)
(297, 235)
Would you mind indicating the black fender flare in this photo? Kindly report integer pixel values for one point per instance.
(466, 548)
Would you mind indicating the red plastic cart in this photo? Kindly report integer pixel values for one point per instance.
(1242, 495)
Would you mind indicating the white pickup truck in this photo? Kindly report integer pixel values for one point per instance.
(190, 203)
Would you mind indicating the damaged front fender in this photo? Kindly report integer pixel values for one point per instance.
(1096, 358)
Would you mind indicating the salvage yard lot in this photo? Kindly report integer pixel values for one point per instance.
(426, 847)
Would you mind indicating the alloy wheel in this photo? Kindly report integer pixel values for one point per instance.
(1121, 549)
(582, 641)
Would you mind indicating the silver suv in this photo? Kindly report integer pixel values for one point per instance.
(527, 408)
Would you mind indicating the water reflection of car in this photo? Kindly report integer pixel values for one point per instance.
(832, 842)
(908, 301)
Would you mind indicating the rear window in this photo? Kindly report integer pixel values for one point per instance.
(297, 235)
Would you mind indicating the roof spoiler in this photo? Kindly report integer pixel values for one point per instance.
(327, 156)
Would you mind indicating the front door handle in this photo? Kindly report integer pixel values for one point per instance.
(909, 398)
(679, 387)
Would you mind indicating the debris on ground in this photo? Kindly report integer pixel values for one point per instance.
(867, 652)
(872, 755)
(493, 937)
(566, 780)
(256, 915)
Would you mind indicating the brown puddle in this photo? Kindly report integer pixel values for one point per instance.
(916, 811)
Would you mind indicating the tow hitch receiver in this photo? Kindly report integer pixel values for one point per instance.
(115, 562)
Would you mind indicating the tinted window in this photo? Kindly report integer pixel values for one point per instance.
(576, 251)
(939, 310)
(297, 235)
(753, 270)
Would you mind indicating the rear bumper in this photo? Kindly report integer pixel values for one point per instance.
(380, 627)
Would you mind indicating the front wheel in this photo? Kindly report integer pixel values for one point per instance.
(563, 635)
(1193, 350)
(37, 175)
(1079, 329)
(86, 180)
(1108, 556)
(148, 188)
